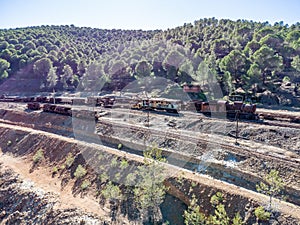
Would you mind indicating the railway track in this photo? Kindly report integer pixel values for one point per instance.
(271, 118)
(264, 121)
(187, 136)
(191, 136)
(218, 169)
(207, 139)
(195, 115)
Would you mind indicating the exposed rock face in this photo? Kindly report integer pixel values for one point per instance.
(22, 203)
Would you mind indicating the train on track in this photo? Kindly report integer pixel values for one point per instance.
(235, 108)
(63, 110)
(212, 108)
(224, 108)
(62, 105)
(104, 101)
(161, 104)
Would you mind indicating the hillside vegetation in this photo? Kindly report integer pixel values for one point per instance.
(259, 58)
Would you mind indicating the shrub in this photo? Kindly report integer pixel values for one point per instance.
(69, 160)
(130, 179)
(272, 185)
(124, 164)
(217, 199)
(62, 167)
(193, 215)
(54, 170)
(286, 79)
(237, 220)
(80, 172)
(100, 156)
(194, 184)
(117, 176)
(103, 177)
(220, 216)
(101, 167)
(261, 214)
(85, 184)
(114, 162)
(180, 178)
(112, 192)
(38, 156)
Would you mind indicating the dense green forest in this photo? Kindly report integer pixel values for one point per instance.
(253, 56)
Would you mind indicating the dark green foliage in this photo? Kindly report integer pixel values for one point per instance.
(149, 191)
(235, 63)
(251, 47)
(42, 67)
(293, 35)
(193, 216)
(143, 69)
(272, 186)
(64, 57)
(67, 77)
(268, 61)
(3, 45)
(4, 65)
(63, 46)
(112, 192)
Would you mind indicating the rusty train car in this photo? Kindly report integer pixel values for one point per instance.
(232, 108)
(225, 108)
(217, 107)
(59, 109)
(104, 101)
(63, 110)
(53, 108)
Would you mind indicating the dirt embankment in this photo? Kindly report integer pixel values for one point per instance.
(244, 164)
(248, 167)
(18, 115)
(25, 142)
(24, 203)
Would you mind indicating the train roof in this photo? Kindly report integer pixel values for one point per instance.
(161, 99)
